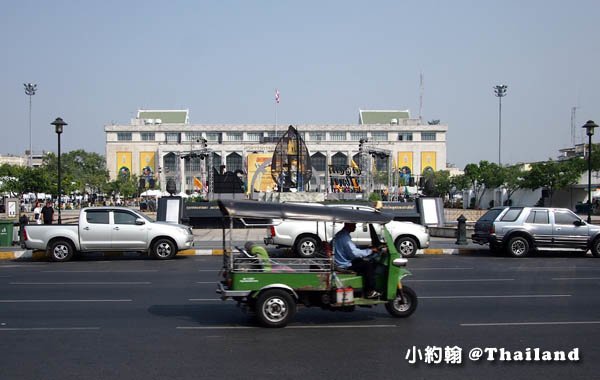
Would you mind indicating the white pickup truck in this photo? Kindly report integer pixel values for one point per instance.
(305, 237)
(109, 229)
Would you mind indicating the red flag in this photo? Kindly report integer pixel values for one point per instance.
(277, 96)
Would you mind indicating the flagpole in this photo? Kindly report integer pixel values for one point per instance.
(276, 103)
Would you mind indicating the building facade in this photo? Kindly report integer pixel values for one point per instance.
(152, 146)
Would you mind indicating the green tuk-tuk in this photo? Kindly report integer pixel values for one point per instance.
(273, 288)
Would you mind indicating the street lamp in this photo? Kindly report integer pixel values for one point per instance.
(500, 92)
(589, 131)
(58, 125)
(30, 89)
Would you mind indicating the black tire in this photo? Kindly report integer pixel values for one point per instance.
(163, 249)
(307, 246)
(595, 248)
(275, 308)
(402, 307)
(406, 246)
(518, 246)
(61, 251)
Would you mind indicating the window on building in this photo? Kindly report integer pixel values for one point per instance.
(235, 136)
(356, 136)
(193, 164)
(379, 136)
(319, 161)
(381, 163)
(170, 163)
(213, 136)
(234, 162)
(193, 136)
(217, 160)
(337, 136)
(316, 136)
(427, 136)
(173, 137)
(356, 159)
(124, 136)
(405, 136)
(254, 136)
(147, 136)
(339, 160)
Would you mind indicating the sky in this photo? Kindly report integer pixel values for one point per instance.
(97, 63)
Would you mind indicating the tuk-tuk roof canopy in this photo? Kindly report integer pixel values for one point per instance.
(255, 209)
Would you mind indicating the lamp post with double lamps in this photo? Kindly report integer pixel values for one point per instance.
(589, 131)
(30, 89)
(500, 92)
(58, 125)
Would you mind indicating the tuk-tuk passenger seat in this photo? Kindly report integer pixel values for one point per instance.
(263, 257)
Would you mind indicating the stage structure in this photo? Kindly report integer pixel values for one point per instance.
(291, 167)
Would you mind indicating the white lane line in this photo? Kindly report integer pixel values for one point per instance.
(552, 268)
(498, 296)
(206, 282)
(442, 268)
(464, 280)
(42, 301)
(81, 283)
(530, 323)
(575, 278)
(100, 271)
(287, 328)
(48, 328)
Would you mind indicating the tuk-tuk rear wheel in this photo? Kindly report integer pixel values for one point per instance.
(402, 307)
(275, 308)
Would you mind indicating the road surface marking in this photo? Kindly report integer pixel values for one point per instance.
(464, 280)
(575, 278)
(91, 300)
(500, 296)
(81, 283)
(47, 328)
(529, 323)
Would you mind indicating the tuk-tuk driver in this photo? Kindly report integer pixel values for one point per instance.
(349, 256)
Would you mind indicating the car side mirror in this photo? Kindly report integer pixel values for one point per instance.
(579, 223)
(400, 262)
(140, 222)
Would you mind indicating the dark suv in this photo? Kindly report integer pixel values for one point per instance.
(518, 230)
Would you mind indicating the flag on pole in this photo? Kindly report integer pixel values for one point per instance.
(198, 183)
(276, 95)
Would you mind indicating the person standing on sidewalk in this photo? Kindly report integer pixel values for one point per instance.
(37, 213)
(48, 213)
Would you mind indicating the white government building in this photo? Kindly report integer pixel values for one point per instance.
(151, 146)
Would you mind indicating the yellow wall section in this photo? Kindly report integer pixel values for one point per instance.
(428, 160)
(147, 159)
(123, 160)
(405, 159)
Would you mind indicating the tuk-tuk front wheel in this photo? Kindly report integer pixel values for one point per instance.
(275, 308)
(404, 304)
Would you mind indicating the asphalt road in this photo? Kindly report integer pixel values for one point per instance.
(138, 318)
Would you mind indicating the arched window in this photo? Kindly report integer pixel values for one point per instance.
(170, 163)
(339, 160)
(216, 161)
(234, 162)
(319, 161)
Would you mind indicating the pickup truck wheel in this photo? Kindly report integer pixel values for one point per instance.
(406, 246)
(518, 246)
(404, 304)
(306, 246)
(275, 308)
(61, 251)
(163, 249)
(596, 248)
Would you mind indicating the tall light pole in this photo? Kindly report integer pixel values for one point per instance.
(589, 131)
(500, 92)
(59, 124)
(30, 89)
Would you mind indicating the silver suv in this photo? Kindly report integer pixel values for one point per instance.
(518, 230)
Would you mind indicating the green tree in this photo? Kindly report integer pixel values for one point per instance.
(553, 175)
(80, 170)
(484, 176)
(442, 183)
(513, 179)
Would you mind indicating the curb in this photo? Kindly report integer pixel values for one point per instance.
(27, 254)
